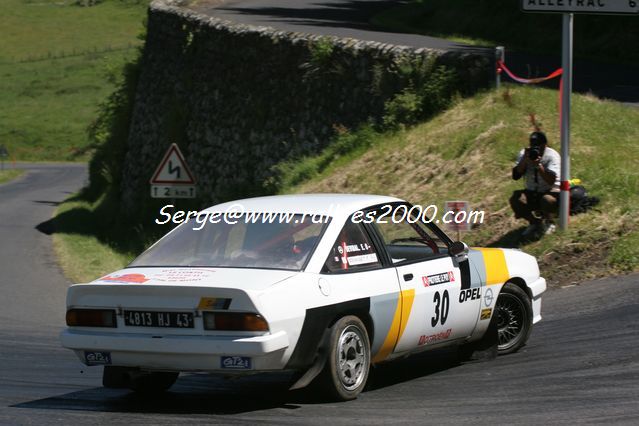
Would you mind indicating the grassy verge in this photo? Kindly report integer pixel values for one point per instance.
(490, 23)
(83, 253)
(9, 174)
(57, 62)
(467, 153)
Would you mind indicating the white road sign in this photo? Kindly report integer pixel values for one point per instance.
(172, 191)
(173, 178)
(582, 6)
(458, 211)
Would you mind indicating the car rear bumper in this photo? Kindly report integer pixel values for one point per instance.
(537, 288)
(180, 353)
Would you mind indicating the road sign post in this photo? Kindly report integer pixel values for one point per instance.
(566, 95)
(453, 209)
(568, 8)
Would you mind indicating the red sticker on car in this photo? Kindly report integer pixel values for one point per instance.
(126, 278)
(443, 278)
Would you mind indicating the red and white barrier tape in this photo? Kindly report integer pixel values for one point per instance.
(502, 66)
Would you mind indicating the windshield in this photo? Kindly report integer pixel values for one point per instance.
(249, 242)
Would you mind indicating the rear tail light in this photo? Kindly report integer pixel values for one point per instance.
(228, 321)
(91, 318)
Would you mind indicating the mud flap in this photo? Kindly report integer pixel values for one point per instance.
(484, 349)
(318, 364)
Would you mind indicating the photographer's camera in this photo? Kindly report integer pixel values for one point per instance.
(534, 153)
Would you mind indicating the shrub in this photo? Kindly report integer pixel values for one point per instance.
(430, 90)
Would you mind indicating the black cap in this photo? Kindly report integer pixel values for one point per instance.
(538, 138)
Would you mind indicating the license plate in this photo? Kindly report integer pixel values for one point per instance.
(235, 362)
(97, 358)
(158, 319)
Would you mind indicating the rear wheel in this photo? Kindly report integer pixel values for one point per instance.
(115, 377)
(152, 382)
(513, 317)
(136, 380)
(346, 370)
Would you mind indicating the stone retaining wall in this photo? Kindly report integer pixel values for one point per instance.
(239, 99)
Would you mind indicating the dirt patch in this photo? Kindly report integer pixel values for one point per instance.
(575, 263)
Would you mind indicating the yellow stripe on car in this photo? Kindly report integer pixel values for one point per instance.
(402, 313)
(496, 268)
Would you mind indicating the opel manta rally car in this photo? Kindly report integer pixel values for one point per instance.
(319, 285)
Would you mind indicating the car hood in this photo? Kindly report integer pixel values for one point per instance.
(244, 279)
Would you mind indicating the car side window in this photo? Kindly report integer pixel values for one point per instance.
(352, 251)
(407, 241)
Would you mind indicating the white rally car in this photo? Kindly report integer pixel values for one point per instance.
(323, 285)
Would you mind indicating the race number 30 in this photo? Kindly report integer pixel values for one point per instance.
(441, 308)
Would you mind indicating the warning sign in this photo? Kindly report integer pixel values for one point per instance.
(173, 169)
(173, 178)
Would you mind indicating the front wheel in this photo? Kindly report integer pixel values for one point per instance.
(346, 370)
(513, 317)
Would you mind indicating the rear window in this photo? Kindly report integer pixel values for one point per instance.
(251, 242)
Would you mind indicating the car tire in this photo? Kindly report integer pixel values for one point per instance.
(348, 362)
(513, 319)
(152, 382)
(116, 377)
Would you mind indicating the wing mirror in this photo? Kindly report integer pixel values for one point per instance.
(459, 251)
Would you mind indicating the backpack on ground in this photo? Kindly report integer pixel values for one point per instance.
(580, 202)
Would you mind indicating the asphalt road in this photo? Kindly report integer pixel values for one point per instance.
(342, 18)
(350, 18)
(28, 269)
(581, 364)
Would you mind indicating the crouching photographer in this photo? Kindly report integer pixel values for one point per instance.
(539, 165)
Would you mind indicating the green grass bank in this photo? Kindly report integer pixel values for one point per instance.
(84, 248)
(465, 153)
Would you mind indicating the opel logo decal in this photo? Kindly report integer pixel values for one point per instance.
(488, 297)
